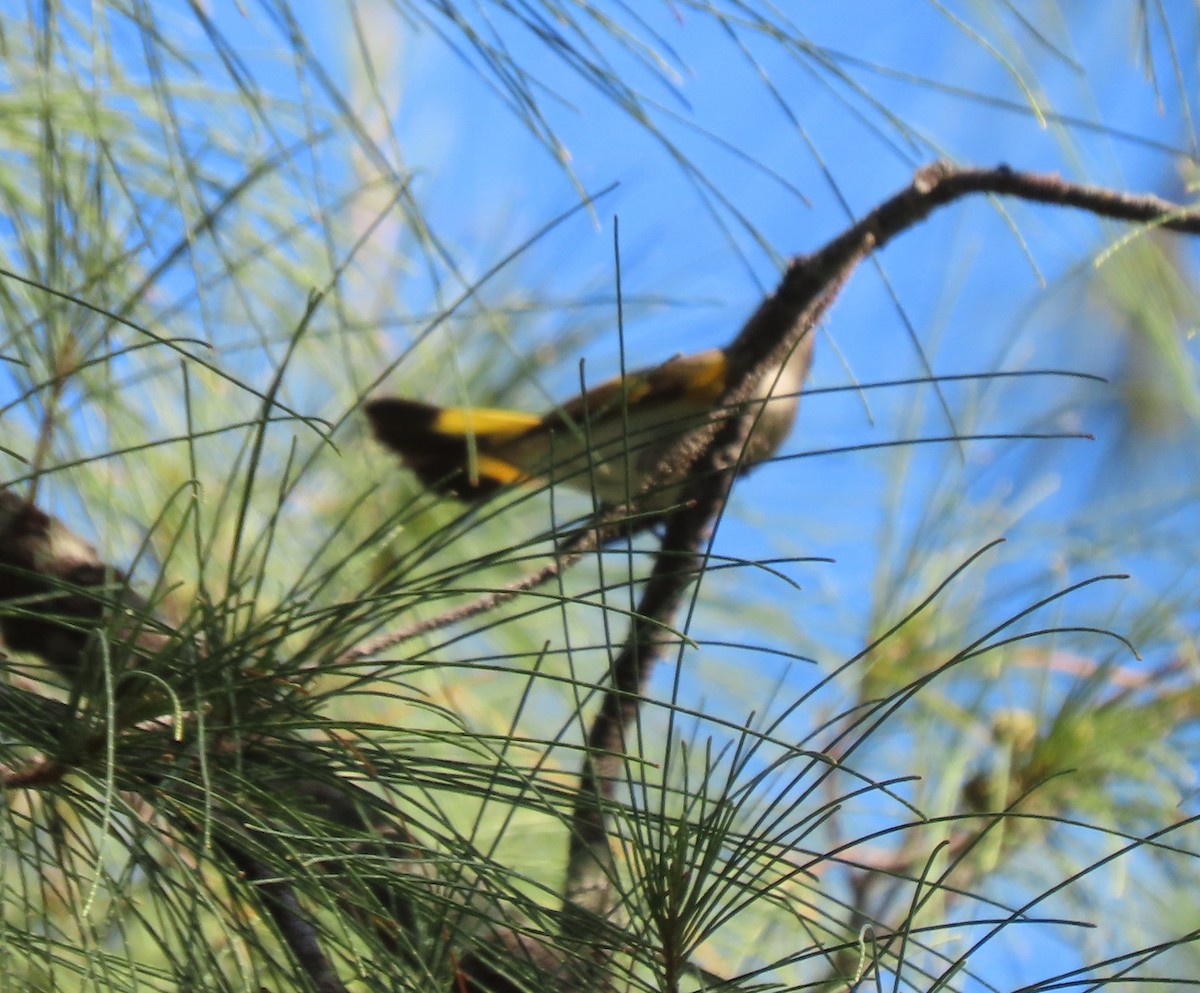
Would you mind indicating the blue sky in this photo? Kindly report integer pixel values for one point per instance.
(970, 287)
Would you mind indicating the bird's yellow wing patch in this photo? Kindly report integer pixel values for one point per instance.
(699, 378)
(482, 421)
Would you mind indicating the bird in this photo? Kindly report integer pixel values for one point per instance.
(57, 595)
(609, 441)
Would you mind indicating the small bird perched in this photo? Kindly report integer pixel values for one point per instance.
(57, 594)
(608, 441)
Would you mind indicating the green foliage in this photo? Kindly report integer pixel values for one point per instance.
(201, 281)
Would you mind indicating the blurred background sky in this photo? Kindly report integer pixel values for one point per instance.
(796, 144)
(788, 144)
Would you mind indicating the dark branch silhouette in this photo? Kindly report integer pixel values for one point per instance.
(59, 601)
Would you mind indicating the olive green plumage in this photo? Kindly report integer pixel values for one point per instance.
(608, 441)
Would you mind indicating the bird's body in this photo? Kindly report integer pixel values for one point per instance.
(57, 596)
(609, 441)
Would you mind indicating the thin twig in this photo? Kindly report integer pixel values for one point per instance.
(569, 552)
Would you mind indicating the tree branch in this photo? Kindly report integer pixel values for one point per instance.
(784, 321)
